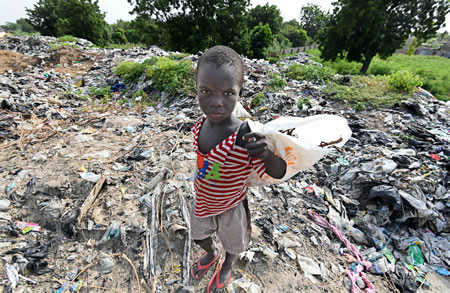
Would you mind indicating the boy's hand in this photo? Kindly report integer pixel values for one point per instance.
(256, 145)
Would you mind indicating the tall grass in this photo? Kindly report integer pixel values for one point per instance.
(434, 71)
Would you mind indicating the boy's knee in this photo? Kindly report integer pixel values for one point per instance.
(204, 241)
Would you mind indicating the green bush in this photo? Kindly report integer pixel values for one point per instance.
(380, 69)
(276, 82)
(100, 91)
(404, 81)
(172, 76)
(302, 101)
(257, 99)
(67, 38)
(57, 46)
(130, 71)
(310, 72)
(360, 106)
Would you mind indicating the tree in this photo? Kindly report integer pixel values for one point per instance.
(118, 36)
(139, 30)
(261, 38)
(21, 25)
(312, 19)
(80, 18)
(193, 25)
(269, 14)
(294, 33)
(359, 30)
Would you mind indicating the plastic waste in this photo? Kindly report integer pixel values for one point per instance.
(419, 205)
(290, 252)
(387, 194)
(305, 141)
(415, 256)
(243, 284)
(388, 254)
(38, 157)
(97, 155)
(248, 255)
(34, 226)
(357, 235)
(117, 87)
(12, 274)
(106, 264)
(308, 266)
(442, 271)
(4, 204)
(89, 176)
(269, 253)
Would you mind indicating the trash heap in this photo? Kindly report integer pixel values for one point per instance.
(96, 196)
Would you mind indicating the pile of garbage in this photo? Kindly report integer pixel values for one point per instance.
(96, 195)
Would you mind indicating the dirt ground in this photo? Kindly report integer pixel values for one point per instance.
(16, 62)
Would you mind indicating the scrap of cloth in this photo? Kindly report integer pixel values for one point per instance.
(221, 178)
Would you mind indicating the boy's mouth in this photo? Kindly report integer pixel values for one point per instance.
(215, 115)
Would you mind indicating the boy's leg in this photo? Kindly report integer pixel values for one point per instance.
(211, 251)
(201, 231)
(226, 269)
(234, 234)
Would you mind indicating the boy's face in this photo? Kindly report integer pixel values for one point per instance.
(217, 90)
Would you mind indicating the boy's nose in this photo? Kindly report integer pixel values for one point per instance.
(216, 102)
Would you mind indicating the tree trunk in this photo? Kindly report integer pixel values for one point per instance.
(366, 64)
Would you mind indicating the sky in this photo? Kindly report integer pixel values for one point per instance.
(119, 9)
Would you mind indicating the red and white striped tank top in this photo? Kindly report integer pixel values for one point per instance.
(220, 181)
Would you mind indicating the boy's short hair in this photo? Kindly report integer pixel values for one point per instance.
(220, 55)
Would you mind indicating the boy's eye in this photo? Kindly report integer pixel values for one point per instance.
(229, 93)
(204, 92)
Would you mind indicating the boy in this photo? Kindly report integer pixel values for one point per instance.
(227, 152)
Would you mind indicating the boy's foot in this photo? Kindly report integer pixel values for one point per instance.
(220, 280)
(200, 267)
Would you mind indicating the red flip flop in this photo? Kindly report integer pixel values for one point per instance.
(203, 268)
(216, 278)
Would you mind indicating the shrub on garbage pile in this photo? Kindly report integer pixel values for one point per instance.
(372, 91)
(67, 38)
(404, 81)
(360, 106)
(130, 71)
(56, 46)
(276, 82)
(172, 76)
(257, 99)
(178, 56)
(310, 72)
(100, 92)
(302, 101)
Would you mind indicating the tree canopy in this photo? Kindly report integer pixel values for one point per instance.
(269, 14)
(312, 19)
(80, 18)
(294, 33)
(359, 30)
(21, 25)
(193, 25)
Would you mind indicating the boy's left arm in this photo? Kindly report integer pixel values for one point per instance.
(257, 148)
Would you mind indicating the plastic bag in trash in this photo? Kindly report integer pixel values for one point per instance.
(403, 279)
(300, 142)
(244, 284)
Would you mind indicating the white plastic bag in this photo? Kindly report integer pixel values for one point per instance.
(309, 140)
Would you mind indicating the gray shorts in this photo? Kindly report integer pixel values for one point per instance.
(232, 228)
